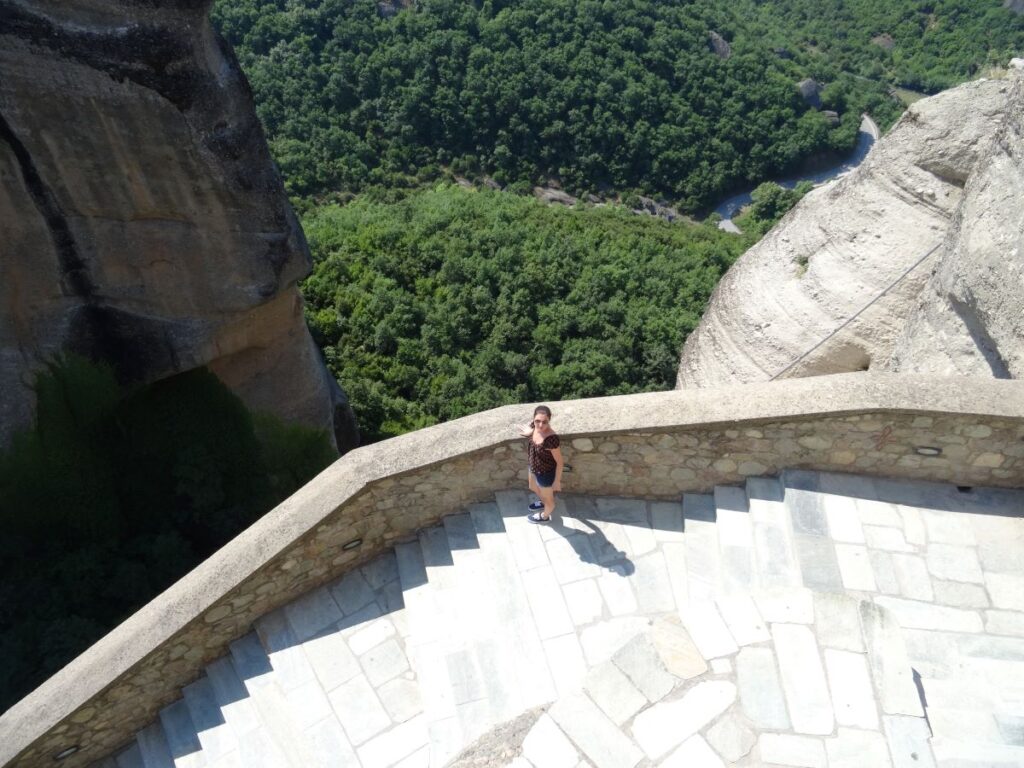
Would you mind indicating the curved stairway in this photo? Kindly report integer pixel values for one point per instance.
(817, 620)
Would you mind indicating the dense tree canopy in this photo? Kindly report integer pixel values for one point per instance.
(453, 301)
(926, 45)
(600, 95)
(597, 94)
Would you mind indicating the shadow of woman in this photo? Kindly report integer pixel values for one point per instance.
(587, 539)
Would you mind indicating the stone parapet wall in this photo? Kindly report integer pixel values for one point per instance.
(657, 445)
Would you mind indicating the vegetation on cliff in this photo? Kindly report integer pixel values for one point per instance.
(452, 301)
(114, 496)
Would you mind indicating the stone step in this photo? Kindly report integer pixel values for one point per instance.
(513, 619)
(231, 697)
(215, 735)
(814, 547)
(154, 750)
(278, 738)
(131, 757)
(481, 674)
(703, 562)
(467, 685)
(179, 734)
(428, 641)
(775, 554)
(525, 537)
(735, 539)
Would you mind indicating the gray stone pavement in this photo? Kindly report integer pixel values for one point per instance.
(812, 620)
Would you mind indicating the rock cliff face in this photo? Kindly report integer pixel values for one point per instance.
(969, 319)
(144, 221)
(937, 200)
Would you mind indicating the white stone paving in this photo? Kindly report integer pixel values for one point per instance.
(760, 689)
(820, 620)
(803, 679)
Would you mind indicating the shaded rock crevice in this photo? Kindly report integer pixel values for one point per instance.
(75, 277)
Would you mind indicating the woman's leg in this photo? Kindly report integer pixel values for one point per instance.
(547, 496)
(533, 483)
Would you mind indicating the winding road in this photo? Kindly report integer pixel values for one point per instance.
(869, 133)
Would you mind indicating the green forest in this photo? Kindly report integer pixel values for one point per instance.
(598, 96)
(601, 96)
(453, 301)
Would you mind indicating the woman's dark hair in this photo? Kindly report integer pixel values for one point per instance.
(542, 409)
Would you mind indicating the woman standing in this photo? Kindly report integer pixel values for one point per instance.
(545, 459)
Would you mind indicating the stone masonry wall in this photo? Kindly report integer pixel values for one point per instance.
(655, 445)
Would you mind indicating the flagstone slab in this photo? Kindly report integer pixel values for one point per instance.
(639, 661)
(890, 665)
(760, 690)
(837, 621)
(916, 614)
(614, 693)
(954, 563)
(731, 737)
(909, 741)
(668, 724)
(591, 730)
(803, 679)
(787, 749)
(743, 619)
(693, 753)
(913, 578)
(852, 748)
(793, 605)
(708, 630)
(853, 698)
(545, 746)
(676, 648)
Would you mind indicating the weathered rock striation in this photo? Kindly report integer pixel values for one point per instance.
(936, 194)
(969, 319)
(144, 221)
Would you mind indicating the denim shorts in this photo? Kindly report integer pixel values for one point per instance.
(544, 481)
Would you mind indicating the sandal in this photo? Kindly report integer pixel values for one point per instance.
(536, 517)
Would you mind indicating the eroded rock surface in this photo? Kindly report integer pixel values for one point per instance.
(969, 319)
(920, 200)
(144, 221)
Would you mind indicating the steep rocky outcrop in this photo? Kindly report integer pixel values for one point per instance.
(144, 221)
(969, 319)
(719, 45)
(935, 194)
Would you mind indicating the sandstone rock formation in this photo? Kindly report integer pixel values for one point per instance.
(969, 319)
(904, 210)
(144, 221)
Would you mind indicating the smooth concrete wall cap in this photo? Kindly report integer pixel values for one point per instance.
(186, 602)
